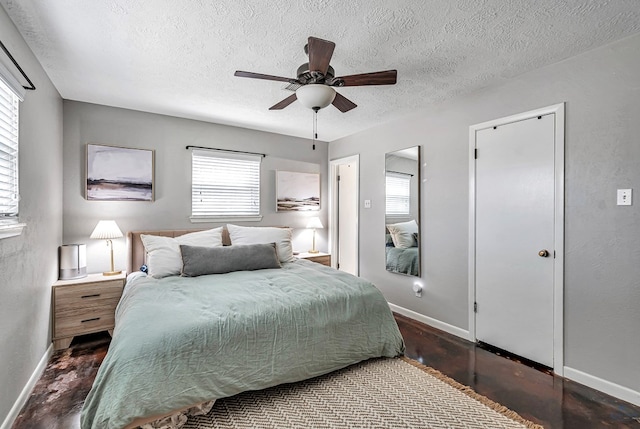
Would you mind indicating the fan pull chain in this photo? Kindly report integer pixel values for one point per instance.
(315, 127)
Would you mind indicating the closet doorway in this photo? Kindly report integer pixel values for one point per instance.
(344, 198)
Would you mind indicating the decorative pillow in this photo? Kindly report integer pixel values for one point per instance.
(263, 235)
(402, 234)
(163, 253)
(198, 261)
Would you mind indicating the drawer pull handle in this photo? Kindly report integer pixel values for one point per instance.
(90, 320)
(90, 296)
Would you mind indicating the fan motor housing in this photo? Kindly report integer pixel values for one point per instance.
(306, 76)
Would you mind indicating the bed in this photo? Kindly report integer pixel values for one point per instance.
(403, 261)
(402, 248)
(180, 341)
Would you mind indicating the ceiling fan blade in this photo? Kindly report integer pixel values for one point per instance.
(342, 103)
(284, 103)
(263, 76)
(320, 52)
(388, 77)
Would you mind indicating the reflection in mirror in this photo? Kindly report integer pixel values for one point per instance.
(402, 216)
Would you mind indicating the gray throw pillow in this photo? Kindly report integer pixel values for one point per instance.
(198, 261)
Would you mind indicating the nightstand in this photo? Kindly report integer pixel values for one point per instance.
(83, 306)
(320, 258)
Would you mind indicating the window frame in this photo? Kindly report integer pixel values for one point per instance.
(10, 225)
(224, 157)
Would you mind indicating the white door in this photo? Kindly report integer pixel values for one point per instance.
(514, 254)
(347, 231)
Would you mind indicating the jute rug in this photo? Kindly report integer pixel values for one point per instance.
(379, 393)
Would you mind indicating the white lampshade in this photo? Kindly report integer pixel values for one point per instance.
(314, 222)
(106, 230)
(315, 95)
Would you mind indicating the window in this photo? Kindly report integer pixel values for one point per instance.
(225, 185)
(398, 189)
(10, 95)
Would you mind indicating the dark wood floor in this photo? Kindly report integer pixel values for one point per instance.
(538, 396)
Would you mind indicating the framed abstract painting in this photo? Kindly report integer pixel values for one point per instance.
(297, 191)
(119, 173)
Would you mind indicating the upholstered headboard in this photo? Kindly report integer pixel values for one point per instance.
(137, 255)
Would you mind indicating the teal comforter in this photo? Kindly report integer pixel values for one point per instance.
(182, 341)
(404, 261)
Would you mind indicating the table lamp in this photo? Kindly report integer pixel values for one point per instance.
(314, 223)
(106, 230)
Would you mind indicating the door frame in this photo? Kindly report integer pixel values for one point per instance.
(558, 274)
(333, 208)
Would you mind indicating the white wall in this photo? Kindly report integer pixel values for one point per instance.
(168, 136)
(29, 262)
(602, 293)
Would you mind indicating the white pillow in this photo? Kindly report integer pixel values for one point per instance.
(262, 235)
(163, 253)
(402, 234)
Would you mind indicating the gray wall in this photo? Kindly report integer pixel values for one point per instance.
(90, 123)
(29, 262)
(602, 270)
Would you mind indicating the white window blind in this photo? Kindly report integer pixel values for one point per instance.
(9, 195)
(398, 188)
(224, 185)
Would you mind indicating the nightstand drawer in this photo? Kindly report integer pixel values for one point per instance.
(324, 260)
(74, 322)
(104, 294)
(317, 257)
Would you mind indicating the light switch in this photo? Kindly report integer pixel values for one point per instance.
(367, 204)
(624, 197)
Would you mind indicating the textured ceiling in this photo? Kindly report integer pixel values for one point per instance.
(177, 57)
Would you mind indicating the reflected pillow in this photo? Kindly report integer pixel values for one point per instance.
(388, 240)
(402, 234)
(163, 253)
(199, 261)
(264, 235)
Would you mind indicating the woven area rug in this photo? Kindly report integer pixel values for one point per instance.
(379, 393)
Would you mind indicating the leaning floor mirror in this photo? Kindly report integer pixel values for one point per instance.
(402, 214)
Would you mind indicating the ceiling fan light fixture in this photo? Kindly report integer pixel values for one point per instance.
(317, 80)
(315, 96)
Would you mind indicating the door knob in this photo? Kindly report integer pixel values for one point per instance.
(543, 253)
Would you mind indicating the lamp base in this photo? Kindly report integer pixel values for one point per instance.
(111, 273)
(314, 251)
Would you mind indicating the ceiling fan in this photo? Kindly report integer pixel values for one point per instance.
(315, 82)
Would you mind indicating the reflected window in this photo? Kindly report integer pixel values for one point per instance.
(398, 194)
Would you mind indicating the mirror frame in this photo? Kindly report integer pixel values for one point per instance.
(417, 212)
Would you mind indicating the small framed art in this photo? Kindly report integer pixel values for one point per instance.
(297, 191)
(119, 173)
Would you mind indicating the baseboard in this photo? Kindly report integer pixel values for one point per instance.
(26, 391)
(450, 329)
(602, 385)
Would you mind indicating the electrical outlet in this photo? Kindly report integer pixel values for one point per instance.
(367, 204)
